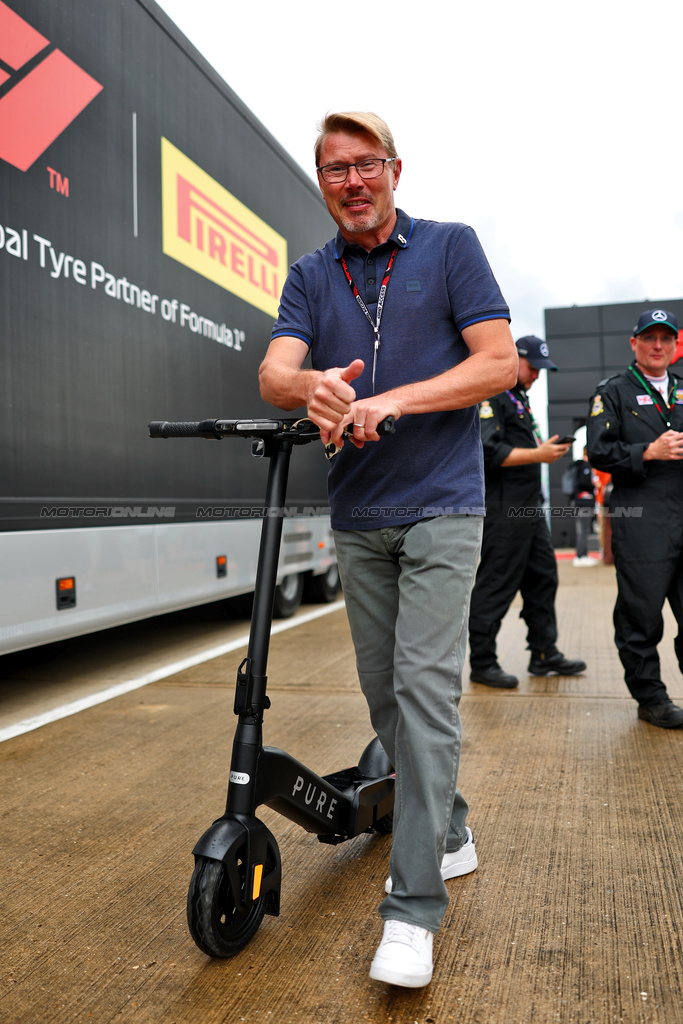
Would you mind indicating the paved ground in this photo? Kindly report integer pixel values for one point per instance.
(574, 915)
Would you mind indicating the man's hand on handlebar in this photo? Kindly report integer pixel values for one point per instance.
(386, 426)
(331, 405)
(367, 414)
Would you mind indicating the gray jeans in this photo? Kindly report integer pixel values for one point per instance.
(407, 593)
(583, 521)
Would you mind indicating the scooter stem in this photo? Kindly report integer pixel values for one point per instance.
(250, 694)
(269, 553)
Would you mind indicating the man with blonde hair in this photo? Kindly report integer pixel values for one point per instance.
(355, 122)
(402, 318)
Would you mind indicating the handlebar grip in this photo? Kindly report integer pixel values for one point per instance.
(164, 428)
(386, 426)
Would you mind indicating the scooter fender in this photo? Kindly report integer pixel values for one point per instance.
(224, 840)
(374, 763)
(220, 838)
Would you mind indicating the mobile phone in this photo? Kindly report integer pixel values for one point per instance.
(569, 439)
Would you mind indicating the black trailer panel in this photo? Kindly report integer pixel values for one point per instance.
(102, 329)
(147, 223)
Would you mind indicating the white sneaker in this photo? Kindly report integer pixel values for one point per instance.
(585, 561)
(404, 956)
(455, 864)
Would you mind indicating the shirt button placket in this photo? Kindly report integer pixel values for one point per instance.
(370, 279)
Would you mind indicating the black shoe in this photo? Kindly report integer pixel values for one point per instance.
(666, 715)
(554, 663)
(494, 676)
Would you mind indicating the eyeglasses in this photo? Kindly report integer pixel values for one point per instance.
(650, 339)
(373, 167)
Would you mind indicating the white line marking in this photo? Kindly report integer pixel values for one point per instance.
(74, 706)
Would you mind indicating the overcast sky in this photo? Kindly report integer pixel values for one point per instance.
(552, 128)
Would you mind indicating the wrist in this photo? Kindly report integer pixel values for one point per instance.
(308, 380)
(400, 397)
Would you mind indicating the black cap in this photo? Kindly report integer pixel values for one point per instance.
(660, 317)
(536, 351)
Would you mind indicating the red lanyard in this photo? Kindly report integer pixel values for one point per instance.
(380, 304)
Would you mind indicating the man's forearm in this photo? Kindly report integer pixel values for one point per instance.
(285, 386)
(478, 377)
(549, 451)
(521, 457)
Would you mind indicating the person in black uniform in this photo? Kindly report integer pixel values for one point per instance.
(635, 432)
(582, 498)
(517, 552)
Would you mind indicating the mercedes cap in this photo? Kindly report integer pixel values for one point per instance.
(655, 316)
(536, 351)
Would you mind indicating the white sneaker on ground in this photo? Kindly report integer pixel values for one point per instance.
(585, 561)
(404, 956)
(455, 864)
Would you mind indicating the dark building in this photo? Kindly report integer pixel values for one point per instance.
(588, 343)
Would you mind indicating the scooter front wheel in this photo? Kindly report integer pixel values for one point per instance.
(219, 924)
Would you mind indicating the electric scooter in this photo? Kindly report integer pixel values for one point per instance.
(237, 875)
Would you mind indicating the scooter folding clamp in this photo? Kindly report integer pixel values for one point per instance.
(245, 689)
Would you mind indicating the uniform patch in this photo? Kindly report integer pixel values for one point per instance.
(598, 407)
(679, 396)
(485, 411)
(644, 400)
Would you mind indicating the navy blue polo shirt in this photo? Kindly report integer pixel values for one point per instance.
(441, 282)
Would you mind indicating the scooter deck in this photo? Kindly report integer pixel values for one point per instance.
(334, 807)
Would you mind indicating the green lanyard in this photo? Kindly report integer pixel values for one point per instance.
(521, 402)
(656, 396)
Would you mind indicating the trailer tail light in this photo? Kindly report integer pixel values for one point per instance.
(66, 593)
(221, 566)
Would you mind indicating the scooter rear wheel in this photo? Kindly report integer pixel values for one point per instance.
(218, 923)
(385, 824)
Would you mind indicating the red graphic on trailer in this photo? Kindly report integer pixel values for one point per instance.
(41, 91)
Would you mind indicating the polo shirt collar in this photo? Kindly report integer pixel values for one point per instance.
(400, 235)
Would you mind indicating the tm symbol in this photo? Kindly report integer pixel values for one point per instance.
(58, 183)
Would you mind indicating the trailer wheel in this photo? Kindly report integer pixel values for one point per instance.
(217, 922)
(288, 595)
(323, 589)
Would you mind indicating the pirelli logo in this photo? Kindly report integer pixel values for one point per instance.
(41, 91)
(207, 229)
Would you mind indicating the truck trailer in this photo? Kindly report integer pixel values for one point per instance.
(147, 224)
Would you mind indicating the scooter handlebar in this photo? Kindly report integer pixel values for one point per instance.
(216, 429)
